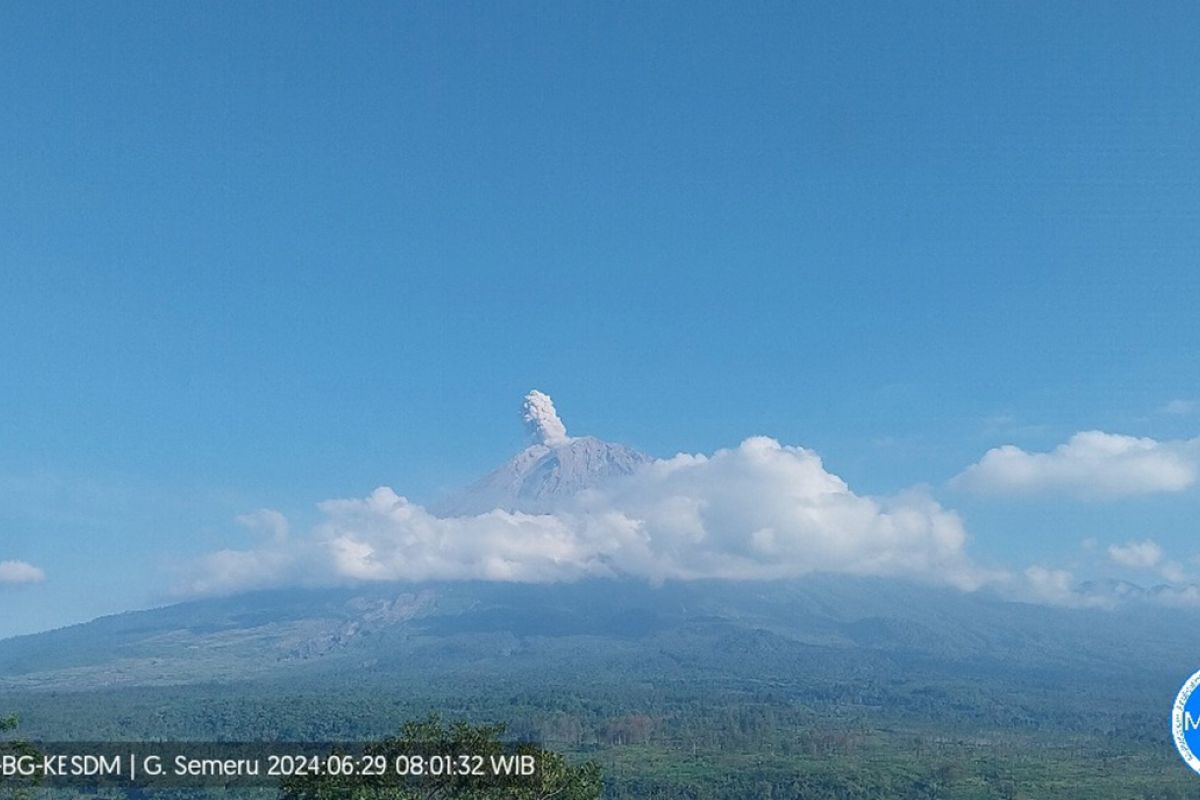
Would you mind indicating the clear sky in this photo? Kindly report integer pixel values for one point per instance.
(261, 255)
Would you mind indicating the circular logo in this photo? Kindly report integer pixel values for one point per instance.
(1185, 722)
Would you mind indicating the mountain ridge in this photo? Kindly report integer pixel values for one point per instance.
(415, 628)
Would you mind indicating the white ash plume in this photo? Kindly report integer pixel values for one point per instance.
(541, 420)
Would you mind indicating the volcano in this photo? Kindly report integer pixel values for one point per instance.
(554, 468)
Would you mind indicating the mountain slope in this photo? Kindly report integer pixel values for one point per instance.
(551, 470)
(541, 476)
(822, 623)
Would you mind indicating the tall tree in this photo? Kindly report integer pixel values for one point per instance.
(16, 788)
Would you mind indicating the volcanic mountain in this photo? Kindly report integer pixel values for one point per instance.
(553, 468)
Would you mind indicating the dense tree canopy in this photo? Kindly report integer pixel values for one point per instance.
(555, 778)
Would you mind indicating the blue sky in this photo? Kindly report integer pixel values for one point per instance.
(262, 256)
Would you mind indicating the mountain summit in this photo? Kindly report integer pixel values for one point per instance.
(555, 467)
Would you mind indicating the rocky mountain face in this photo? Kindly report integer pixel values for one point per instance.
(542, 476)
(551, 470)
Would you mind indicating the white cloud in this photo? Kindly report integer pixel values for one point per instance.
(757, 511)
(20, 572)
(267, 521)
(1090, 465)
(1173, 572)
(763, 510)
(1178, 596)
(385, 537)
(1180, 407)
(1135, 555)
(271, 565)
(1058, 587)
(1055, 587)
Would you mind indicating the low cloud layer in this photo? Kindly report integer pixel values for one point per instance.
(1058, 587)
(20, 572)
(1136, 555)
(1090, 465)
(757, 511)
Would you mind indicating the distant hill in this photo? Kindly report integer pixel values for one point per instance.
(826, 687)
(752, 630)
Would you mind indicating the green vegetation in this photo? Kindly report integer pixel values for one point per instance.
(556, 778)
(14, 789)
(816, 690)
(705, 741)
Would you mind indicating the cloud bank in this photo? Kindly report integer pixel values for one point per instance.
(760, 510)
(20, 572)
(1090, 465)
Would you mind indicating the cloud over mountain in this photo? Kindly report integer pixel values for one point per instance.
(760, 510)
(1136, 555)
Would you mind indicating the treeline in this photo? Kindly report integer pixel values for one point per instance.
(695, 740)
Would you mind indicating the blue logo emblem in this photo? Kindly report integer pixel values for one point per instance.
(1185, 722)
